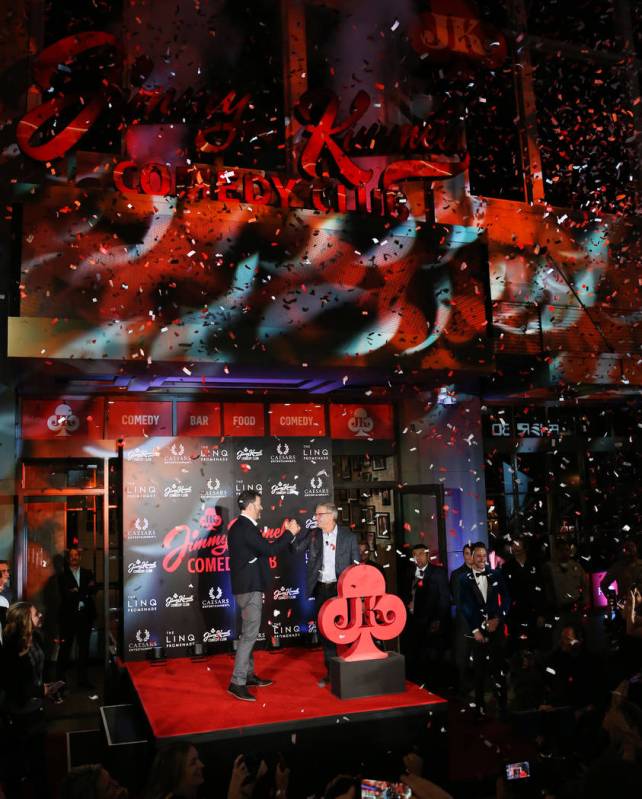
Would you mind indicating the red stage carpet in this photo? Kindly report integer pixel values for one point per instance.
(185, 698)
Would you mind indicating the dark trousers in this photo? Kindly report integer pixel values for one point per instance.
(489, 661)
(322, 592)
(424, 652)
(75, 626)
(26, 767)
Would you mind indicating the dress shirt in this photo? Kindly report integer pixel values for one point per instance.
(482, 583)
(76, 574)
(329, 569)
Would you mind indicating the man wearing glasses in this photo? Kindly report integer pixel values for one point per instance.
(331, 549)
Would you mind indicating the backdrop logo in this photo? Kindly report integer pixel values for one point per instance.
(247, 454)
(216, 599)
(361, 424)
(141, 530)
(140, 491)
(182, 543)
(178, 490)
(174, 640)
(241, 486)
(141, 566)
(213, 489)
(214, 635)
(318, 485)
(313, 454)
(137, 605)
(138, 455)
(286, 593)
(179, 601)
(176, 454)
(63, 421)
(283, 454)
(282, 489)
(210, 519)
(213, 454)
(143, 641)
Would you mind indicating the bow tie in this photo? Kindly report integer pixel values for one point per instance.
(478, 575)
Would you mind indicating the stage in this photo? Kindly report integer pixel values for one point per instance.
(185, 698)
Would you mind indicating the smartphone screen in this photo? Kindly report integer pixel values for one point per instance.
(518, 771)
(380, 789)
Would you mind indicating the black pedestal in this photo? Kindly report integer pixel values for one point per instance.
(352, 679)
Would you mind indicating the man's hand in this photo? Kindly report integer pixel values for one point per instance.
(479, 637)
(292, 526)
(239, 775)
(492, 625)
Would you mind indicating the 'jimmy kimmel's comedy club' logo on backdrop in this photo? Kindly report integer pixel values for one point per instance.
(178, 490)
(286, 593)
(281, 489)
(361, 424)
(63, 421)
(215, 635)
(179, 601)
(247, 454)
(141, 566)
(139, 455)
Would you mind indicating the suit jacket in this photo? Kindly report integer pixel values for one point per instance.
(455, 578)
(472, 604)
(432, 597)
(249, 553)
(346, 553)
(70, 598)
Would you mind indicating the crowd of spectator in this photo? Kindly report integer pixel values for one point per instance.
(513, 643)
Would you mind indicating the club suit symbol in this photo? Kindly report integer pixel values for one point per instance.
(361, 612)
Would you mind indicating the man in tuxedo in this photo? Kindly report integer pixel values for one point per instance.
(485, 603)
(77, 613)
(331, 549)
(462, 638)
(425, 593)
(250, 573)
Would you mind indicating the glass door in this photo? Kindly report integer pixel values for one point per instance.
(64, 503)
(422, 519)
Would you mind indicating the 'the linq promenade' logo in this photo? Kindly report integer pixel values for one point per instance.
(174, 640)
(216, 599)
(214, 454)
(139, 491)
(141, 566)
(140, 605)
(214, 635)
(283, 454)
(312, 454)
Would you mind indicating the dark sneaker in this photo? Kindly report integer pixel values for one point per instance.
(240, 692)
(258, 681)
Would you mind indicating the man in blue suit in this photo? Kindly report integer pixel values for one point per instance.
(485, 602)
(331, 549)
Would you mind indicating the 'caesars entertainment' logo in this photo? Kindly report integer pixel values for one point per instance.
(141, 566)
(175, 640)
(141, 530)
(139, 455)
(142, 641)
(283, 454)
(213, 635)
(216, 599)
(247, 454)
(140, 491)
(360, 423)
(214, 489)
(313, 454)
(176, 454)
(318, 485)
(177, 489)
(136, 604)
(214, 454)
(286, 593)
(281, 489)
(179, 601)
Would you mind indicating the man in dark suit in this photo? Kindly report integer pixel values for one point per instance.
(250, 573)
(424, 590)
(462, 637)
(485, 603)
(77, 613)
(331, 549)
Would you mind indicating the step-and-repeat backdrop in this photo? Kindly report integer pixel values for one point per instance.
(179, 498)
